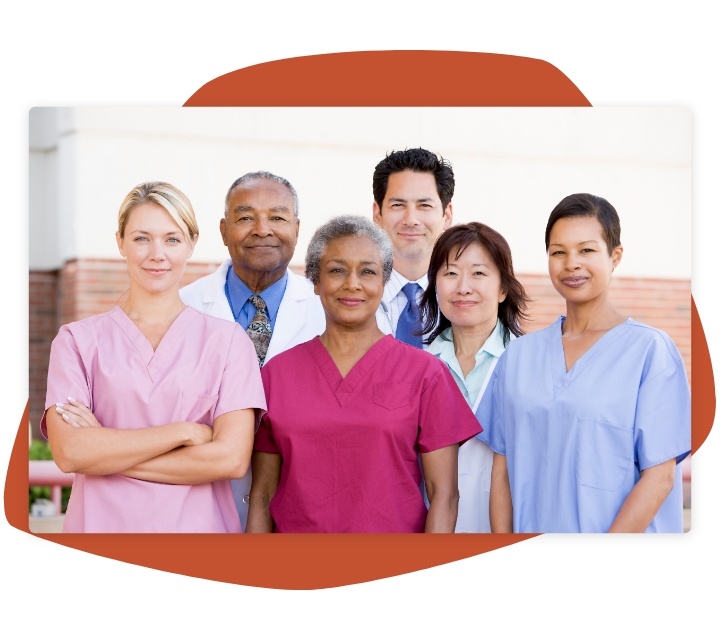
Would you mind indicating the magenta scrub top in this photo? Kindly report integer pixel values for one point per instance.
(202, 368)
(350, 446)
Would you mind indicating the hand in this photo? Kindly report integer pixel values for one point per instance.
(76, 414)
(198, 434)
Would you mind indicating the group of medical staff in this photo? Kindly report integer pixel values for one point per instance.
(391, 389)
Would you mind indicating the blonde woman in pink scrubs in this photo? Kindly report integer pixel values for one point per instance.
(153, 405)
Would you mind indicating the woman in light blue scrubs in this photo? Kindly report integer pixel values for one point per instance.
(590, 417)
(471, 309)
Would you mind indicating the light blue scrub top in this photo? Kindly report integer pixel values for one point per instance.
(576, 441)
(444, 348)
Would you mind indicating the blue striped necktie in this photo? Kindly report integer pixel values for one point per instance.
(409, 320)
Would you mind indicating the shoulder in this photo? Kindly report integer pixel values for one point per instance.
(89, 326)
(420, 362)
(198, 288)
(299, 287)
(658, 345)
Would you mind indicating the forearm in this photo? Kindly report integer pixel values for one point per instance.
(645, 499)
(193, 465)
(443, 512)
(501, 509)
(102, 451)
(259, 518)
(266, 469)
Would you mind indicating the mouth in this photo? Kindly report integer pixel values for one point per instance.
(574, 282)
(157, 273)
(463, 304)
(350, 302)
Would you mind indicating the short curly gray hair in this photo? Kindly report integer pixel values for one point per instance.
(267, 176)
(343, 227)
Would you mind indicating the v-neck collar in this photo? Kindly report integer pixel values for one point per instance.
(155, 361)
(343, 387)
(562, 378)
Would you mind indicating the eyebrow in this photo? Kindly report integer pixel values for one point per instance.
(426, 199)
(343, 261)
(557, 244)
(248, 207)
(169, 233)
(474, 264)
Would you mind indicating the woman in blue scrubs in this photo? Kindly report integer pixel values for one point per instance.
(471, 309)
(588, 418)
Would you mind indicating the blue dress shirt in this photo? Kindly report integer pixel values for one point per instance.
(237, 293)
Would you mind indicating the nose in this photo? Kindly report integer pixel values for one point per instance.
(572, 261)
(352, 282)
(463, 285)
(262, 227)
(410, 217)
(157, 253)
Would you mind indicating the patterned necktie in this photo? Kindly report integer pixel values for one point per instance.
(259, 330)
(409, 320)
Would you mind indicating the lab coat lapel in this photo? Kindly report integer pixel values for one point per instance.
(215, 302)
(291, 317)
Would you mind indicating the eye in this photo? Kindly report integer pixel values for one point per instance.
(174, 240)
(557, 253)
(479, 273)
(141, 238)
(587, 250)
(371, 272)
(449, 273)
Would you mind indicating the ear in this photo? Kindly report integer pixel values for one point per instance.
(503, 295)
(316, 288)
(193, 242)
(119, 241)
(448, 216)
(616, 256)
(377, 216)
(223, 225)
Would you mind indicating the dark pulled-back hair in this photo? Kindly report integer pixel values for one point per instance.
(420, 161)
(511, 311)
(586, 205)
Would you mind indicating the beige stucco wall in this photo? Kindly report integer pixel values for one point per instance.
(512, 166)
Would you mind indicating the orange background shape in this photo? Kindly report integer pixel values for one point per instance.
(372, 78)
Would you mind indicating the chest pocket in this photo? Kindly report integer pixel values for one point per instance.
(392, 395)
(196, 407)
(604, 454)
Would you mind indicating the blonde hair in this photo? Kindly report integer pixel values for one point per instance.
(163, 194)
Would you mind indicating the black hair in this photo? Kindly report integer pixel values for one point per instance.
(511, 311)
(420, 161)
(588, 206)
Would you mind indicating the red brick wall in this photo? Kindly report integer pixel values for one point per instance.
(664, 304)
(87, 287)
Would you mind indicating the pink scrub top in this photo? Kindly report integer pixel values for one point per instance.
(350, 446)
(202, 368)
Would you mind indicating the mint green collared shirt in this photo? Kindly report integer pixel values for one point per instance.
(444, 348)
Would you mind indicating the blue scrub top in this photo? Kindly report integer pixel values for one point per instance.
(576, 441)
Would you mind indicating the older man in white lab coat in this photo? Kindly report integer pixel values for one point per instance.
(254, 287)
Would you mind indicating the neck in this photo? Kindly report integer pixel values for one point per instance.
(152, 308)
(345, 339)
(411, 268)
(597, 314)
(469, 340)
(258, 281)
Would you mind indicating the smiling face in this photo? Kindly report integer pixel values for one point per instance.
(260, 230)
(412, 214)
(350, 282)
(578, 260)
(155, 247)
(469, 288)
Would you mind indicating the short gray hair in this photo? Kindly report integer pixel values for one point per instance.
(344, 227)
(255, 175)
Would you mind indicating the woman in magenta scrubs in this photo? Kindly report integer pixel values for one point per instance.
(153, 404)
(349, 411)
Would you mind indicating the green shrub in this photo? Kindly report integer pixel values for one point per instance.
(40, 450)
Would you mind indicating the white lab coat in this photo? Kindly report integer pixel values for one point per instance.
(300, 318)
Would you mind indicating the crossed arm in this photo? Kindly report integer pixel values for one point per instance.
(175, 453)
